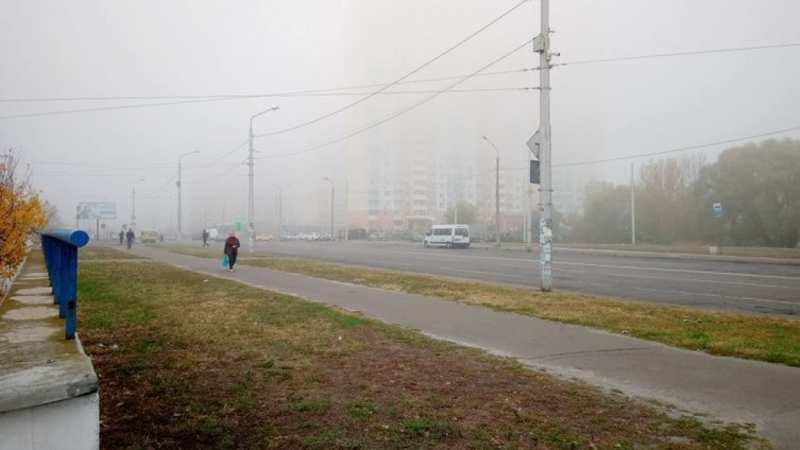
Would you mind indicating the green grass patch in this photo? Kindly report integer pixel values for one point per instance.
(95, 252)
(190, 361)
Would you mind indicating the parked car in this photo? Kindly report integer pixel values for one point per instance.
(264, 237)
(450, 236)
(149, 237)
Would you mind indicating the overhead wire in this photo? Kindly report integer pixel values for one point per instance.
(190, 99)
(296, 93)
(395, 82)
(400, 112)
(674, 54)
(681, 149)
(240, 97)
(670, 151)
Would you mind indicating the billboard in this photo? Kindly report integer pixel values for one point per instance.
(97, 210)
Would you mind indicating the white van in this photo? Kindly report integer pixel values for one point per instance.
(449, 236)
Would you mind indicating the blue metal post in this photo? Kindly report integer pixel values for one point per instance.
(60, 248)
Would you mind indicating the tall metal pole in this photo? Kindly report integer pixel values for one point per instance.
(496, 191)
(250, 201)
(180, 190)
(133, 207)
(333, 205)
(333, 202)
(633, 209)
(346, 209)
(251, 225)
(497, 200)
(528, 216)
(280, 211)
(180, 230)
(542, 46)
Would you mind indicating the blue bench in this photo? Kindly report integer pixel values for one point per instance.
(60, 248)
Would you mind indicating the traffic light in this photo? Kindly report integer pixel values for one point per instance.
(535, 176)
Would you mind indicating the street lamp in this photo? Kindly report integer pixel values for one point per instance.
(280, 210)
(180, 172)
(133, 203)
(496, 192)
(251, 226)
(333, 199)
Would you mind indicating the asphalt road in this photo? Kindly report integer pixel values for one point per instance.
(747, 287)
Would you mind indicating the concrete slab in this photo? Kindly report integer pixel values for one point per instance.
(30, 313)
(40, 290)
(19, 335)
(729, 389)
(33, 299)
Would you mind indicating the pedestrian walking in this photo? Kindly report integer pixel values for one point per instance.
(232, 245)
(121, 236)
(130, 235)
(205, 238)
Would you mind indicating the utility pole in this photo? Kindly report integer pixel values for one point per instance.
(250, 193)
(346, 209)
(180, 174)
(497, 200)
(251, 225)
(333, 203)
(541, 44)
(280, 211)
(528, 216)
(133, 207)
(180, 232)
(633, 209)
(496, 192)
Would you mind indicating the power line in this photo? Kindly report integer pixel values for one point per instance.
(188, 99)
(402, 78)
(673, 54)
(681, 149)
(297, 93)
(455, 91)
(223, 156)
(400, 112)
(92, 166)
(242, 97)
(672, 150)
(112, 108)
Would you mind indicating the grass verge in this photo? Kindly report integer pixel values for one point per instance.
(187, 361)
(764, 338)
(94, 252)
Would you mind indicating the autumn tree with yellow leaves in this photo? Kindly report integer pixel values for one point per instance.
(21, 213)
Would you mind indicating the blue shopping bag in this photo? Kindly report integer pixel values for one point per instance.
(223, 262)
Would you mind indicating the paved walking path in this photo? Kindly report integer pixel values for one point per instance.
(727, 388)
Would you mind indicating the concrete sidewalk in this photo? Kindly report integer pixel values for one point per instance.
(730, 389)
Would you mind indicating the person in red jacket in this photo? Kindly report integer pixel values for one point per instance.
(232, 249)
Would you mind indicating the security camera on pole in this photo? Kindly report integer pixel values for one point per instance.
(539, 144)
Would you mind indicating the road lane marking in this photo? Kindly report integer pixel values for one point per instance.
(419, 256)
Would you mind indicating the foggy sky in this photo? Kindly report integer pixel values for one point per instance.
(172, 48)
